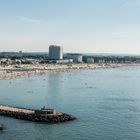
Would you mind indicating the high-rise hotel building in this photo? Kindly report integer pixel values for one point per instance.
(55, 52)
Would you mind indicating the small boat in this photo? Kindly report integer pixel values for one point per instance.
(1, 127)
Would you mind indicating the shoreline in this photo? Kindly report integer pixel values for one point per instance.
(21, 71)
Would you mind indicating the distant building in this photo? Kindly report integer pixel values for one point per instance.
(90, 60)
(55, 52)
(101, 61)
(20, 52)
(76, 57)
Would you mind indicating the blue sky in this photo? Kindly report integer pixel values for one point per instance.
(95, 26)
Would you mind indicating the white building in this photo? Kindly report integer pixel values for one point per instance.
(55, 52)
(77, 58)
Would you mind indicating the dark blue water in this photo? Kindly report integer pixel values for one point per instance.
(106, 103)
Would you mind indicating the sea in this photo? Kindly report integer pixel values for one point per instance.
(106, 103)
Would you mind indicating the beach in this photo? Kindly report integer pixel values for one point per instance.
(17, 71)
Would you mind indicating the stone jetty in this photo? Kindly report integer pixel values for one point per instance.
(42, 115)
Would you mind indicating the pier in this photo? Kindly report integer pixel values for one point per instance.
(42, 115)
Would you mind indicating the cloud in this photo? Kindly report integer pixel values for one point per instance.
(129, 3)
(30, 20)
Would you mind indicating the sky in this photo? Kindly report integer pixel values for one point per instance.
(84, 26)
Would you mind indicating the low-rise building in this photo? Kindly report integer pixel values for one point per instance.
(64, 61)
(76, 57)
(90, 60)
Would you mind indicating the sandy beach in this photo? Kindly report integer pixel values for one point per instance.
(17, 71)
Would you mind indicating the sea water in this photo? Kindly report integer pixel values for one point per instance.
(106, 103)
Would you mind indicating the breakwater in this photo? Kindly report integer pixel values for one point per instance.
(42, 115)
